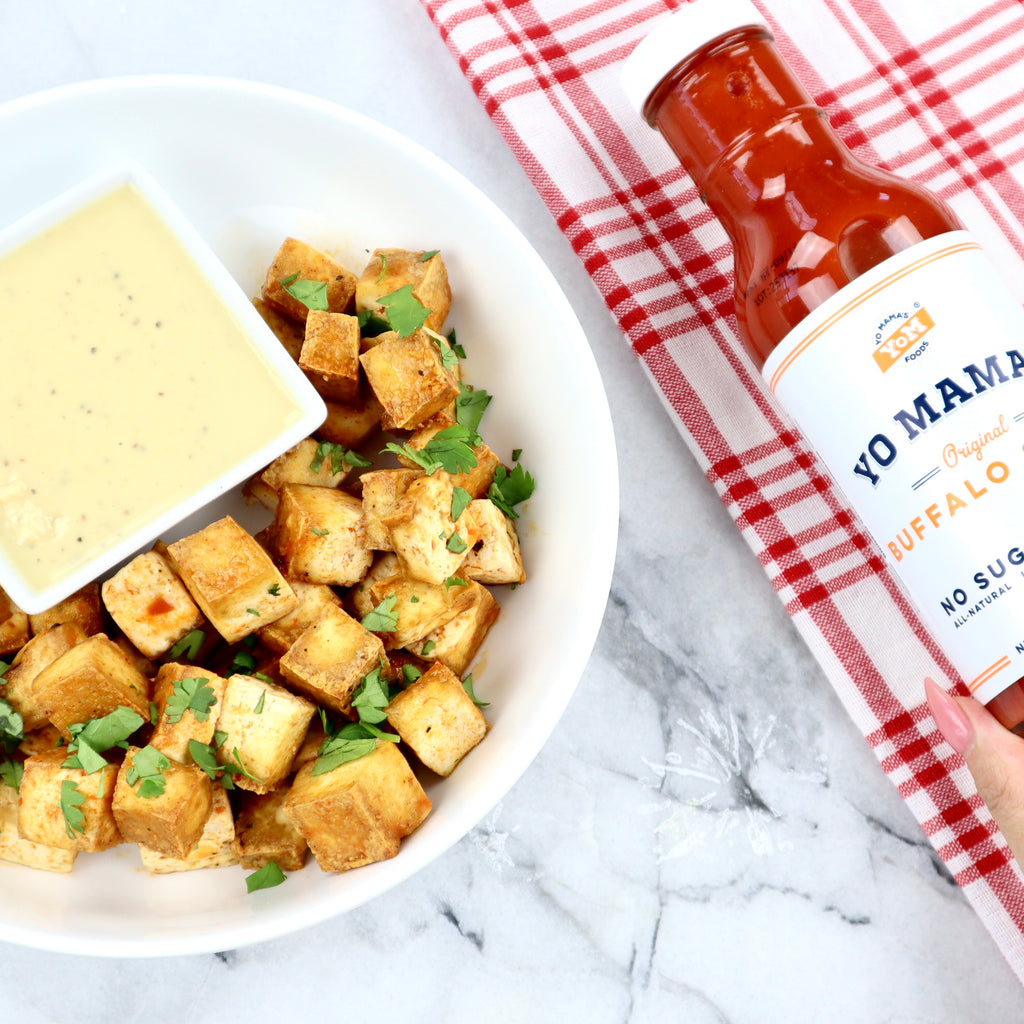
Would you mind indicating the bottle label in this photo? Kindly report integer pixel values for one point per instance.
(909, 383)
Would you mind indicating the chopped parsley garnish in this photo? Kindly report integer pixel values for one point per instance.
(454, 581)
(204, 755)
(456, 347)
(405, 313)
(460, 499)
(383, 618)
(189, 645)
(410, 673)
(258, 710)
(243, 663)
(428, 255)
(467, 685)
(449, 449)
(339, 455)
(12, 727)
(350, 742)
(146, 773)
(90, 739)
(265, 877)
(312, 294)
(508, 489)
(371, 325)
(449, 360)
(383, 267)
(253, 611)
(71, 800)
(274, 590)
(319, 532)
(470, 406)
(192, 694)
(371, 698)
(11, 772)
(428, 648)
(456, 545)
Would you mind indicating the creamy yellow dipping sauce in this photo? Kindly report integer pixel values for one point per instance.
(127, 385)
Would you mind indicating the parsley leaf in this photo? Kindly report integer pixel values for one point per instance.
(383, 618)
(11, 773)
(90, 739)
(508, 489)
(12, 727)
(456, 545)
(428, 255)
(467, 685)
(452, 447)
(460, 499)
(188, 645)
(350, 742)
(428, 465)
(371, 325)
(449, 360)
(428, 648)
(71, 800)
(191, 694)
(405, 313)
(371, 698)
(146, 773)
(205, 757)
(340, 457)
(454, 581)
(410, 673)
(258, 710)
(470, 406)
(265, 877)
(312, 294)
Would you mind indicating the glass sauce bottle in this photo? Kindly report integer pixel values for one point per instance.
(807, 221)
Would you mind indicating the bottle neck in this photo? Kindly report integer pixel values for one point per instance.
(734, 114)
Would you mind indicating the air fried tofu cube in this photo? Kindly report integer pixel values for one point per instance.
(392, 269)
(213, 850)
(381, 490)
(89, 680)
(40, 815)
(264, 724)
(438, 719)
(330, 354)
(359, 812)
(232, 579)
(187, 700)
(84, 608)
(329, 660)
(360, 598)
(16, 850)
(456, 642)
(42, 650)
(147, 599)
(313, 598)
(170, 821)
(295, 466)
(320, 535)
(409, 379)
(350, 424)
(429, 545)
(307, 263)
(264, 833)
(420, 608)
(495, 557)
(14, 627)
(289, 331)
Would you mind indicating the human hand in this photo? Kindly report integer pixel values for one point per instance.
(994, 756)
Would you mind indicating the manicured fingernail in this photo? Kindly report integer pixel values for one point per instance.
(950, 718)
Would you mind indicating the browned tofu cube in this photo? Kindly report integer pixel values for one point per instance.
(313, 598)
(232, 579)
(301, 262)
(330, 355)
(302, 464)
(89, 680)
(187, 700)
(438, 719)
(169, 821)
(14, 627)
(381, 491)
(264, 724)
(353, 423)
(289, 331)
(263, 833)
(429, 544)
(320, 535)
(47, 737)
(475, 480)
(456, 642)
(392, 269)
(495, 556)
(359, 812)
(330, 658)
(214, 848)
(409, 379)
(42, 650)
(84, 608)
(358, 600)
(148, 600)
(420, 608)
(88, 798)
(16, 850)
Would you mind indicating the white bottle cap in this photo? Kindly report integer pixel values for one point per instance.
(679, 35)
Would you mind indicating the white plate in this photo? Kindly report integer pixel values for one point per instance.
(249, 164)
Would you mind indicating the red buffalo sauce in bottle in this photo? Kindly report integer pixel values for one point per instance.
(857, 295)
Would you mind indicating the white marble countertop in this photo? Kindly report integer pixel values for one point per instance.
(706, 838)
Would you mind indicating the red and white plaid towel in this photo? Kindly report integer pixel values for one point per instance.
(929, 90)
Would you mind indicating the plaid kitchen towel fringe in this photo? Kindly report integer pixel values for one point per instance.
(931, 91)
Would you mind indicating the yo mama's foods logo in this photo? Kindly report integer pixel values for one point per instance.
(906, 341)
